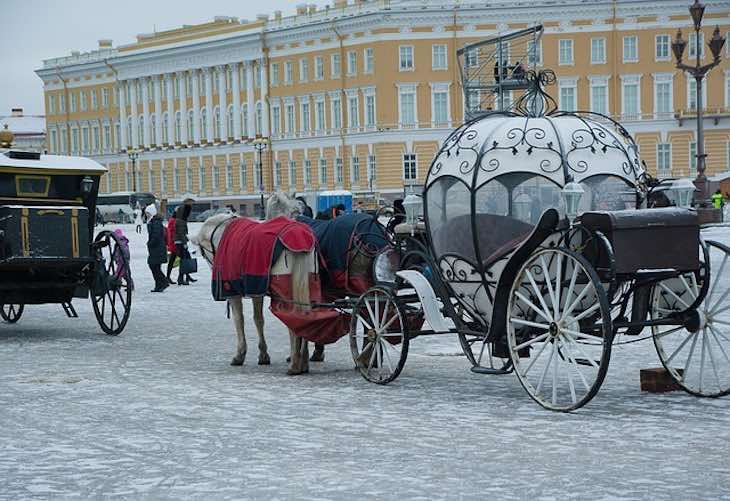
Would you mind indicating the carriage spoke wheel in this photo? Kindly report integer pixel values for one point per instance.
(113, 302)
(11, 312)
(379, 336)
(478, 352)
(697, 354)
(559, 329)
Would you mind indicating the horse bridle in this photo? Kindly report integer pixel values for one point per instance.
(211, 251)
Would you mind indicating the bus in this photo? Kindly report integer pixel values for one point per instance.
(118, 207)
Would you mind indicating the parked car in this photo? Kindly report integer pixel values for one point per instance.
(210, 213)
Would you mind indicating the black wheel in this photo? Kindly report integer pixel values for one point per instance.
(379, 335)
(559, 330)
(11, 313)
(697, 355)
(111, 290)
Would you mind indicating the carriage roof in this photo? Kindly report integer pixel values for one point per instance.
(29, 162)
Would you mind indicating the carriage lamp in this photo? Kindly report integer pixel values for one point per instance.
(571, 195)
(682, 190)
(87, 184)
(522, 205)
(414, 207)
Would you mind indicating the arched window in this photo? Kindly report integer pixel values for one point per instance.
(153, 129)
(178, 127)
(140, 130)
(165, 123)
(229, 119)
(191, 119)
(217, 122)
(244, 120)
(129, 132)
(259, 118)
(204, 124)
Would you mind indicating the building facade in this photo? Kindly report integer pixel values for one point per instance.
(359, 95)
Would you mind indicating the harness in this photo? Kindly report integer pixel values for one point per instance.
(211, 251)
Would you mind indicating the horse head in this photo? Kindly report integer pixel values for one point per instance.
(281, 204)
(210, 234)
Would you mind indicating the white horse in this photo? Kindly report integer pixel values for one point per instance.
(298, 264)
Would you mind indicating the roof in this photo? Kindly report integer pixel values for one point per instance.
(335, 193)
(26, 124)
(55, 163)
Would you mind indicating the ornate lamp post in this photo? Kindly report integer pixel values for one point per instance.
(260, 143)
(698, 71)
(133, 156)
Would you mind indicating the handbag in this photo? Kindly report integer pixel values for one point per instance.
(188, 265)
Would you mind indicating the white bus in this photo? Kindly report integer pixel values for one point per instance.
(118, 207)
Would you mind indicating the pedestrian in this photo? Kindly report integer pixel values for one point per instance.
(181, 241)
(170, 241)
(121, 217)
(306, 209)
(399, 215)
(99, 218)
(156, 249)
(138, 219)
(717, 201)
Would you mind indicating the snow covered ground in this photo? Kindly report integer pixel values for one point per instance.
(158, 413)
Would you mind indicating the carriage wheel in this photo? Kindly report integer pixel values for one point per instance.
(479, 353)
(697, 355)
(379, 336)
(112, 301)
(11, 312)
(559, 329)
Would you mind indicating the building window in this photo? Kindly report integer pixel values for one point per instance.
(471, 58)
(259, 118)
(353, 112)
(275, 74)
(51, 104)
(339, 171)
(277, 174)
(663, 159)
(244, 120)
(355, 170)
(107, 137)
(336, 65)
(289, 121)
(598, 50)
(242, 175)
(72, 97)
(178, 126)
(567, 95)
(140, 130)
(631, 49)
(163, 180)
(440, 106)
(662, 48)
(352, 63)
(692, 94)
(292, 174)
(405, 58)
(407, 107)
(54, 141)
(410, 171)
(307, 172)
(369, 60)
(336, 113)
(565, 53)
(319, 121)
(663, 95)
(105, 97)
(304, 111)
(534, 52)
(599, 96)
(304, 70)
(61, 103)
(288, 73)
(275, 120)
(165, 122)
(201, 179)
(693, 45)
(175, 179)
(94, 100)
(322, 171)
(258, 176)
(318, 68)
(438, 57)
(96, 137)
(82, 100)
(370, 110)
(371, 171)
(630, 99)
(85, 144)
(188, 178)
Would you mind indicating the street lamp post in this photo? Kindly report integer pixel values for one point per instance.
(133, 156)
(698, 71)
(260, 143)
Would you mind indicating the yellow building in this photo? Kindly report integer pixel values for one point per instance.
(358, 95)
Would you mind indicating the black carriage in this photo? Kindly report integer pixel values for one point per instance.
(48, 252)
(537, 251)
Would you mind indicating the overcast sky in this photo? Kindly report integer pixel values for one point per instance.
(35, 30)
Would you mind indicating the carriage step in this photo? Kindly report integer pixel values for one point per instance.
(490, 370)
(70, 310)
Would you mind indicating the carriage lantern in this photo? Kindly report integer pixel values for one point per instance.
(522, 205)
(414, 208)
(682, 191)
(572, 193)
(87, 184)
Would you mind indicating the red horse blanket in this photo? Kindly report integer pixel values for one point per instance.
(247, 250)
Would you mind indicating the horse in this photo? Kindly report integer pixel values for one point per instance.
(299, 265)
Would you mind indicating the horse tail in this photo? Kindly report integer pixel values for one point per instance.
(300, 279)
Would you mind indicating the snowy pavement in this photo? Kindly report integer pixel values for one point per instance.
(158, 413)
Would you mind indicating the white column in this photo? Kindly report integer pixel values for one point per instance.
(208, 73)
(196, 105)
(170, 109)
(236, 95)
(183, 108)
(158, 109)
(250, 100)
(133, 110)
(122, 116)
(223, 104)
(264, 97)
(145, 113)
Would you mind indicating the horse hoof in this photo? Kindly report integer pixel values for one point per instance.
(237, 360)
(264, 360)
(292, 372)
(317, 357)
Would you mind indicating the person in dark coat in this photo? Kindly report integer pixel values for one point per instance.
(172, 254)
(306, 209)
(181, 239)
(157, 250)
(399, 215)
